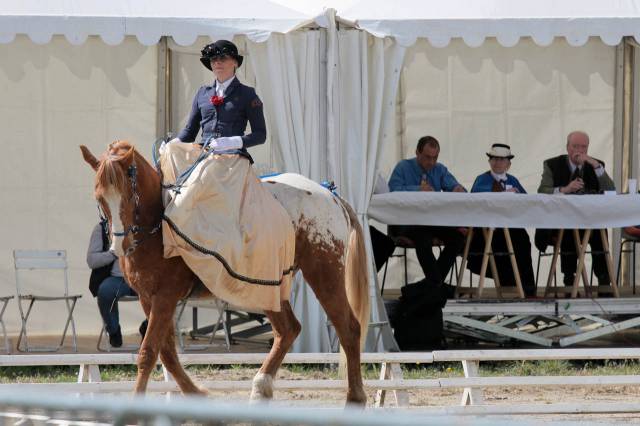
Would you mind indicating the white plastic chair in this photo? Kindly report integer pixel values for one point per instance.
(4, 300)
(43, 260)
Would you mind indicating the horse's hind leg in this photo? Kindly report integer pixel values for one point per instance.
(169, 358)
(328, 286)
(285, 330)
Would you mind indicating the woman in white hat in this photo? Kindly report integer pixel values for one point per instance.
(498, 180)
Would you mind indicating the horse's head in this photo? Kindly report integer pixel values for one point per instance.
(116, 191)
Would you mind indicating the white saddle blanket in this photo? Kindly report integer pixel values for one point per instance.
(223, 207)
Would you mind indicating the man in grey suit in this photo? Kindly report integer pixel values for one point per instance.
(575, 173)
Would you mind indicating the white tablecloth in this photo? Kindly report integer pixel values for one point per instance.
(501, 209)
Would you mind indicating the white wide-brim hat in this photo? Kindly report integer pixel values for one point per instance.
(500, 150)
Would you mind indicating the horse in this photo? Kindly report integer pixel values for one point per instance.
(329, 251)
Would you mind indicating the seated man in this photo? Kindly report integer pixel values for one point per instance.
(107, 282)
(498, 180)
(424, 173)
(575, 173)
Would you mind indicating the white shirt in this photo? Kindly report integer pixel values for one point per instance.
(232, 142)
(222, 87)
(499, 177)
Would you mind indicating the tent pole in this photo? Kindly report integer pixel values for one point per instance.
(163, 101)
(625, 119)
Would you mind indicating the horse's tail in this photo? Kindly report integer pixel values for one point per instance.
(356, 274)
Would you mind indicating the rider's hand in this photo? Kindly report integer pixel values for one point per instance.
(163, 146)
(226, 143)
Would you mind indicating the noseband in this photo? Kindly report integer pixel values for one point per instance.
(134, 228)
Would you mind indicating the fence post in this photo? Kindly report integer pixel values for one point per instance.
(471, 396)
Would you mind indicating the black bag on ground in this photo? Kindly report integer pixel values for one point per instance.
(417, 319)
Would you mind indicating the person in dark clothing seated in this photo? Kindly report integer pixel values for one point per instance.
(424, 173)
(383, 247)
(498, 180)
(575, 173)
(107, 283)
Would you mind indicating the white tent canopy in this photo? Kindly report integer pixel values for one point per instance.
(113, 20)
(507, 20)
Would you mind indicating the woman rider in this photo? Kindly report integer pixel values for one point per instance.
(222, 206)
(223, 109)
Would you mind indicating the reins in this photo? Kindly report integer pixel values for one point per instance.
(132, 173)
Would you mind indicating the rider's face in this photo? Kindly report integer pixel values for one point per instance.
(224, 67)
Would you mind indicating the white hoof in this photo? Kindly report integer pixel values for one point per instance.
(262, 389)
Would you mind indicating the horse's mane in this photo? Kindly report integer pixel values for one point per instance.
(110, 172)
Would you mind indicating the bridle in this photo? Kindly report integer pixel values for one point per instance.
(134, 228)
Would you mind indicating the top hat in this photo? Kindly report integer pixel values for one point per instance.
(219, 49)
(500, 150)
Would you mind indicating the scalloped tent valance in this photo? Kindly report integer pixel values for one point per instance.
(405, 20)
(506, 20)
(113, 20)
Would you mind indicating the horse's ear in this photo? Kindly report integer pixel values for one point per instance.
(89, 158)
(128, 156)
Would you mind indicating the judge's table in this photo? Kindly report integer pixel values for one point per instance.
(504, 210)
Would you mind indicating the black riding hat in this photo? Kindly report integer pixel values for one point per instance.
(218, 49)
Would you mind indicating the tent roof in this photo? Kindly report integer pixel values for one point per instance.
(507, 20)
(184, 20)
(406, 20)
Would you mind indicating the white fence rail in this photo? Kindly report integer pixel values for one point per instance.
(47, 409)
(391, 376)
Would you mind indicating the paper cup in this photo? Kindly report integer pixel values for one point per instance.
(633, 186)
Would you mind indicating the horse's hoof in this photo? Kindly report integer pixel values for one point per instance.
(356, 399)
(262, 389)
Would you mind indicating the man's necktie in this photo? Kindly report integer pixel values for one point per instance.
(577, 173)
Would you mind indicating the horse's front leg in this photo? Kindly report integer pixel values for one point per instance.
(170, 360)
(285, 330)
(160, 313)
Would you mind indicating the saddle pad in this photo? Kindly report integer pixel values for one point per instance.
(223, 207)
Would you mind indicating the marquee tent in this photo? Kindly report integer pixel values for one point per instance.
(346, 96)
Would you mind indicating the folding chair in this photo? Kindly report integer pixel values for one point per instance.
(222, 308)
(104, 345)
(43, 260)
(5, 300)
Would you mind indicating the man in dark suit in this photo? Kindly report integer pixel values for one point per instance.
(575, 173)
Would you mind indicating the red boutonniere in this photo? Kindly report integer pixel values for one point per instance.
(217, 100)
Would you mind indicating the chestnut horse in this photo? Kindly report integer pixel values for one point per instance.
(329, 251)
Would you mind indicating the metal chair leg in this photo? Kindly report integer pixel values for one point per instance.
(406, 274)
(384, 276)
(23, 330)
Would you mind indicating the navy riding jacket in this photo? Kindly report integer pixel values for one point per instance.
(241, 105)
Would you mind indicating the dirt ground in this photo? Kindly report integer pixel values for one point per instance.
(421, 399)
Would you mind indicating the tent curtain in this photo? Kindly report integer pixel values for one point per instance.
(366, 83)
(289, 66)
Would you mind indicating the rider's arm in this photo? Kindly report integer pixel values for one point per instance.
(256, 119)
(191, 129)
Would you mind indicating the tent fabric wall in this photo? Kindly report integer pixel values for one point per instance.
(56, 97)
(288, 68)
(366, 80)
